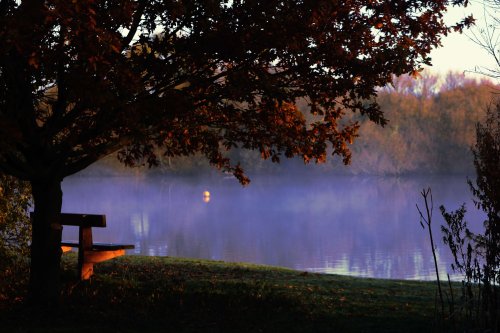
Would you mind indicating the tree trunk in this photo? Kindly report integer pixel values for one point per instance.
(46, 243)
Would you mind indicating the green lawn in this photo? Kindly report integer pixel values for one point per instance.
(153, 294)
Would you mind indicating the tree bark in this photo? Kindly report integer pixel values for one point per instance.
(44, 288)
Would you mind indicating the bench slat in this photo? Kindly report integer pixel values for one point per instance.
(111, 246)
(70, 243)
(83, 220)
(101, 246)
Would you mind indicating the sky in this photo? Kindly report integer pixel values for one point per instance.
(459, 52)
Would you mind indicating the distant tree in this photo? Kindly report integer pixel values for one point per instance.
(82, 79)
(403, 85)
(426, 85)
(453, 80)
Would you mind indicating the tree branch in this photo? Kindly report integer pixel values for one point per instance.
(98, 153)
(60, 104)
(11, 165)
(135, 23)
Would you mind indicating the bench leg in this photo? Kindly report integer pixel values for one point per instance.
(89, 258)
(102, 255)
(85, 270)
(66, 248)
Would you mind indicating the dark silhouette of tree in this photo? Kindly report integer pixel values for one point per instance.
(477, 255)
(486, 188)
(82, 79)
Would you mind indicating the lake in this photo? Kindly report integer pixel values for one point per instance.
(361, 226)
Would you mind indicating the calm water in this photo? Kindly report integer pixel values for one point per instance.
(363, 226)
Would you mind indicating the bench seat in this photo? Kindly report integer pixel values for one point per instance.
(99, 246)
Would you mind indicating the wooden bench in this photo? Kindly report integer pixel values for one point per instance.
(90, 253)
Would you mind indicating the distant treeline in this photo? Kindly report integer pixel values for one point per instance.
(431, 128)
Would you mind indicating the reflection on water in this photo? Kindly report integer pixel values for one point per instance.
(359, 226)
(206, 196)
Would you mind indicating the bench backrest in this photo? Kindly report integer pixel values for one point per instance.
(83, 220)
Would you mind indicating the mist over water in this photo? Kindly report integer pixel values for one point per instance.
(362, 226)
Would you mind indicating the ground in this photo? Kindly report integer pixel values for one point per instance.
(153, 294)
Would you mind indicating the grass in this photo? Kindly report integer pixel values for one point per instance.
(153, 294)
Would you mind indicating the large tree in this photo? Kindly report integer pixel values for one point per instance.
(82, 79)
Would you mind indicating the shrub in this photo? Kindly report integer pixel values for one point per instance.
(15, 233)
(15, 226)
(477, 256)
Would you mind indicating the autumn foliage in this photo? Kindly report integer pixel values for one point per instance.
(431, 128)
